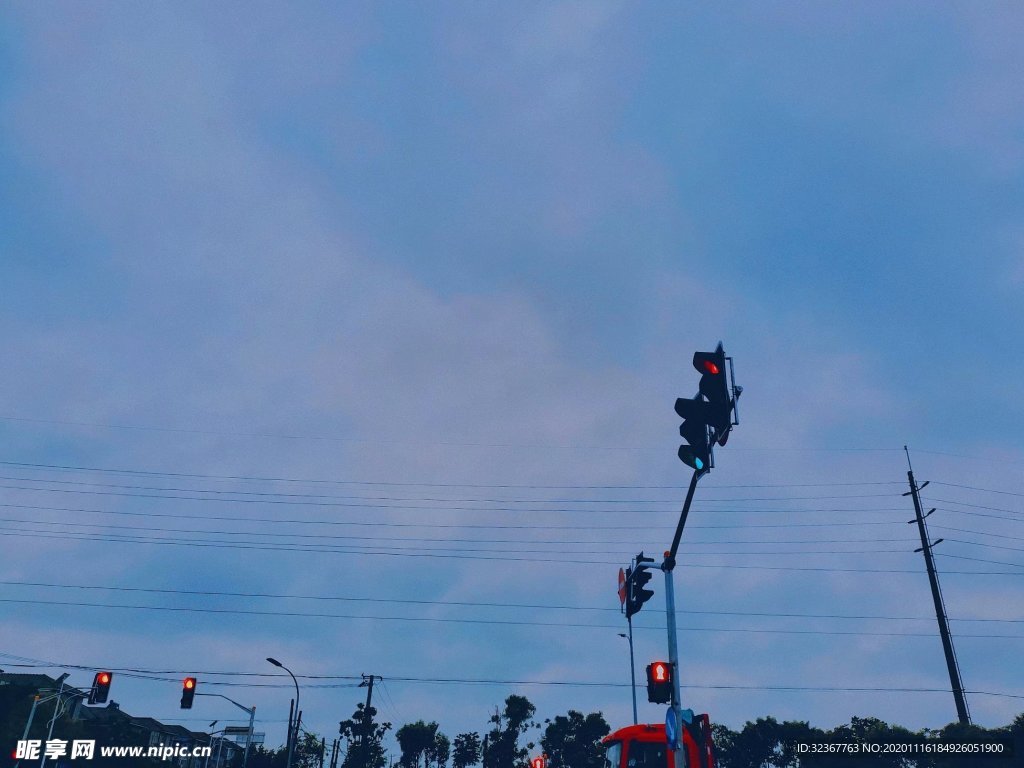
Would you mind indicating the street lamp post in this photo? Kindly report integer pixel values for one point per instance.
(252, 716)
(291, 739)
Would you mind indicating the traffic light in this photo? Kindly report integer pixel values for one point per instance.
(659, 682)
(715, 387)
(708, 416)
(694, 430)
(636, 585)
(538, 762)
(100, 688)
(188, 692)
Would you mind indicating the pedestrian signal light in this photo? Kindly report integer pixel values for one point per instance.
(659, 682)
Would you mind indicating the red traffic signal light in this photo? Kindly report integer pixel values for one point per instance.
(538, 762)
(100, 687)
(659, 682)
(188, 692)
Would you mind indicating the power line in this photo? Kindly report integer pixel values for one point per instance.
(420, 544)
(563, 560)
(493, 681)
(976, 488)
(444, 500)
(345, 537)
(473, 604)
(272, 479)
(310, 503)
(401, 441)
(389, 524)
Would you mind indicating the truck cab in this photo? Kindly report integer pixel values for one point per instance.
(646, 746)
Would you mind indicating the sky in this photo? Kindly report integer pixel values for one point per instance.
(379, 312)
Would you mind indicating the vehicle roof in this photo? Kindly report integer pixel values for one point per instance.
(641, 732)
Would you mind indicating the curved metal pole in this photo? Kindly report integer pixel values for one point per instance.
(291, 739)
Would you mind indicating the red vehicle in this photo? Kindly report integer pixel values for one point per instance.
(645, 746)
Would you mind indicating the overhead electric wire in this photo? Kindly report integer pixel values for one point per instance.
(976, 533)
(972, 488)
(358, 548)
(968, 504)
(474, 604)
(309, 503)
(403, 440)
(564, 560)
(439, 499)
(271, 479)
(389, 524)
(419, 540)
(174, 675)
(496, 622)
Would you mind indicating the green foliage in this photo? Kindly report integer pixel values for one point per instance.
(574, 740)
(365, 739)
(766, 743)
(501, 746)
(467, 750)
(416, 740)
(307, 755)
(439, 751)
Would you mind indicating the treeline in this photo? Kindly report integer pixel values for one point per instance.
(573, 740)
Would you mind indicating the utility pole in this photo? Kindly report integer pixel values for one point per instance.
(367, 720)
(955, 682)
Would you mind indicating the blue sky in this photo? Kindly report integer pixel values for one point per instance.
(471, 244)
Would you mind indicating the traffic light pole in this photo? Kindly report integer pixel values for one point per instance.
(670, 556)
(670, 615)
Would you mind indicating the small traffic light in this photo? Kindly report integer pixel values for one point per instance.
(538, 762)
(636, 585)
(188, 692)
(694, 430)
(659, 682)
(100, 688)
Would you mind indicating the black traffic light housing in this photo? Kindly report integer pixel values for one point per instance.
(188, 692)
(637, 578)
(696, 454)
(659, 682)
(100, 687)
(708, 417)
(715, 388)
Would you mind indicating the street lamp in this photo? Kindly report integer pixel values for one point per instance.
(291, 739)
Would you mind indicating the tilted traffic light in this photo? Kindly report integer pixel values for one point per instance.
(694, 430)
(715, 388)
(659, 682)
(100, 688)
(636, 585)
(188, 692)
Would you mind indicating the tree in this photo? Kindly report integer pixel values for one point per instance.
(502, 748)
(467, 750)
(574, 740)
(439, 751)
(416, 739)
(764, 743)
(365, 739)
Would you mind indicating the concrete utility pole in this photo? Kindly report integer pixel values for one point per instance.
(367, 720)
(962, 712)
